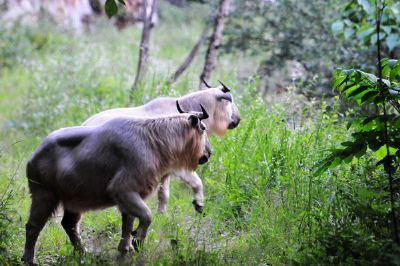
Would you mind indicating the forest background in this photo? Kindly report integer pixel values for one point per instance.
(271, 198)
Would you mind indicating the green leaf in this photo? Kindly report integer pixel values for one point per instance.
(371, 77)
(392, 42)
(367, 97)
(386, 84)
(348, 88)
(346, 143)
(382, 152)
(338, 80)
(337, 27)
(395, 71)
(365, 5)
(348, 33)
(386, 69)
(366, 33)
(387, 29)
(352, 149)
(111, 8)
(374, 139)
(374, 37)
(357, 91)
(361, 151)
(357, 75)
(392, 62)
(325, 164)
(368, 119)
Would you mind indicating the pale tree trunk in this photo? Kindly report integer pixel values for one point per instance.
(215, 41)
(193, 53)
(144, 45)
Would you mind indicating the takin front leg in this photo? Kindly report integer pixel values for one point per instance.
(193, 181)
(133, 205)
(70, 223)
(125, 244)
(163, 194)
(44, 203)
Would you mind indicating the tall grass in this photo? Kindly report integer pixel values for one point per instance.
(263, 205)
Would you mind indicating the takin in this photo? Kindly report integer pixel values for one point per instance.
(224, 115)
(120, 162)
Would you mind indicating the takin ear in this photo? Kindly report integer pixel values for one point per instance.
(194, 120)
(225, 96)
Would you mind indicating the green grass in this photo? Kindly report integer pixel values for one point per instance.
(263, 205)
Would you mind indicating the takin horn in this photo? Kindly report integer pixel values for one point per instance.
(226, 88)
(204, 114)
(205, 83)
(179, 108)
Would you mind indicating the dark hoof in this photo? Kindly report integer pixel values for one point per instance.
(197, 207)
(125, 247)
(80, 249)
(174, 243)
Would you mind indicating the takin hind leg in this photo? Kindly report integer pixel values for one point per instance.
(125, 244)
(133, 205)
(70, 223)
(44, 203)
(193, 181)
(163, 194)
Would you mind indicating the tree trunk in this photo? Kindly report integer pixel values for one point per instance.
(215, 41)
(193, 53)
(144, 45)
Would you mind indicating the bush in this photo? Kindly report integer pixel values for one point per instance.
(7, 232)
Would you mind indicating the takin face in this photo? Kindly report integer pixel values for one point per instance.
(219, 103)
(195, 120)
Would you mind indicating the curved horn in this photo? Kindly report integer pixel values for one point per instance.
(204, 115)
(179, 107)
(205, 83)
(226, 88)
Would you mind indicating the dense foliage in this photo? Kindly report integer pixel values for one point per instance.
(366, 88)
(280, 31)
(377, 133)
(379, 130)
(357, 25)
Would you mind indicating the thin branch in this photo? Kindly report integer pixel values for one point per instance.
(388, 163)
(144, 45)
(193, 53)
(215, 41)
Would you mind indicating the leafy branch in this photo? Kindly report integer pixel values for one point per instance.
(363, 88)
(379, 133)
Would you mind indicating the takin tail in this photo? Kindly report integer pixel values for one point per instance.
(33, 175)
